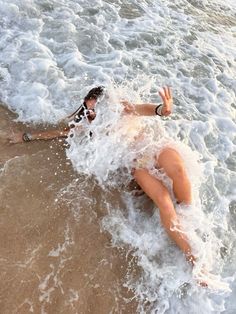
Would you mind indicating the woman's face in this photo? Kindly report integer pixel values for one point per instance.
(91, 103)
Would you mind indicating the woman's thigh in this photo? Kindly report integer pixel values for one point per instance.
(153, 187)
(172, 163)
(170, 160)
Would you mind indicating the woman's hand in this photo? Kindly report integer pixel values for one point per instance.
(167, 99)
(15, 138)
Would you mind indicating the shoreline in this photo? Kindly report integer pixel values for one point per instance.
(54, 257)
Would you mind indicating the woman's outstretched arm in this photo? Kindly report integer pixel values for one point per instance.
(38, 135)
(163, 109)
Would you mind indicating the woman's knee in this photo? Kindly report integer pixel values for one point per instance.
(169, 158)
(172, 164)
(178, 171)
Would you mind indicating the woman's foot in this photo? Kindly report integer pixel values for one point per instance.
(207, 280)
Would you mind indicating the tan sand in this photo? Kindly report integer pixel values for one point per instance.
(53, 256)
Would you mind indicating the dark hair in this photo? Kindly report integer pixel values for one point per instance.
(94, 93)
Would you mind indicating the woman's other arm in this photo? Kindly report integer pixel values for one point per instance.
(38, 135)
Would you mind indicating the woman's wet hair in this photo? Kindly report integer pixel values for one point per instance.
(94, 93)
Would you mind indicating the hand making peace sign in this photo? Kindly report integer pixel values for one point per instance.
(167, 101)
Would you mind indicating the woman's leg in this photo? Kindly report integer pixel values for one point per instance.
(161, 197)
(172, 163)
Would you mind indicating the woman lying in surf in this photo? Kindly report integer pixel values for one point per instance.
(169, 160)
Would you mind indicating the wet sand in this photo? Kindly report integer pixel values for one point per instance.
(54, 258)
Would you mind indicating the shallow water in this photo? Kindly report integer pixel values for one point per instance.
(71, 241)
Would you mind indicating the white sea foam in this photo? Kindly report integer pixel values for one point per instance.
(52, 52)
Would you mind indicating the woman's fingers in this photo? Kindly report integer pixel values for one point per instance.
(15, 138)
(166, 92)
(162, 94)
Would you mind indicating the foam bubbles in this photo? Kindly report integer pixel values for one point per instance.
(53, 52)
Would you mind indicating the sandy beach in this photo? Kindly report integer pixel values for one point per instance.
(53, 258)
